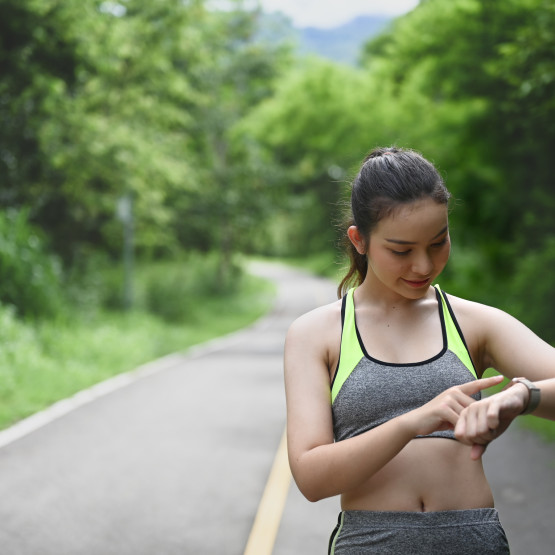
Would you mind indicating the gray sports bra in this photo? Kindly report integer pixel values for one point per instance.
(367, 392)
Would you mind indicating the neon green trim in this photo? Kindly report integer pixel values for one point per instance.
(454, 341)
(351, 353)
(332, 550)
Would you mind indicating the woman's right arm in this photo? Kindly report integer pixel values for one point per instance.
(322, 468)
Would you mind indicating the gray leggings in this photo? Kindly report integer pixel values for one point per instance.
(414, 533)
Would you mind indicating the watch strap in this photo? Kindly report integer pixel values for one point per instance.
(535, 394)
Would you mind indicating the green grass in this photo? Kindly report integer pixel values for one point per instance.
(43, 363)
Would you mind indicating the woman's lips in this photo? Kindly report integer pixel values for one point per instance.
(417, 283)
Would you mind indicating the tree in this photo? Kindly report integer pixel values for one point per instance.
(128, 129)
(96, 99)
(39, 63)
(315, 128)
(234, 190)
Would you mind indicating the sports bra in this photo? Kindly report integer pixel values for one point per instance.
(367, 392)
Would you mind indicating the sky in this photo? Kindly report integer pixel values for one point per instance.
(330, 13)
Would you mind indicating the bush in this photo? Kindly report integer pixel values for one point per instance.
(96, 282)
(170, 289)
(30, 278)
(19, 343)
(531, 295)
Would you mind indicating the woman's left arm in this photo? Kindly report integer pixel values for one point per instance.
(502, 342)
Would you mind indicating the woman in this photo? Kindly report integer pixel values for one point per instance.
(384, 386)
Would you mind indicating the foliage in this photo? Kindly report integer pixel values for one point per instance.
(96, 115)
(29, 275)
(311, 127)
(469, 84)
(483, 75)
(135, 97)
(325, 264)
(236, 191)
(20, 350)
(171, 289)
(532, 295)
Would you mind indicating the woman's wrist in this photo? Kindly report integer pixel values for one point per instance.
(408, 425)
(530, 393)
(523, 392)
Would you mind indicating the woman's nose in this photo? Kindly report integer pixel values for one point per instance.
(422, 265)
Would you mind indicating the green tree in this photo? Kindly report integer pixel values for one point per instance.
(316, 126)
(39, 63)
(93, 108)
(101, 99)
(235, 188)
(128, 127)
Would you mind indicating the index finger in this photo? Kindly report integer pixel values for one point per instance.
(478, 385)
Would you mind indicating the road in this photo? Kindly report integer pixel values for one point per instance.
(175, 460)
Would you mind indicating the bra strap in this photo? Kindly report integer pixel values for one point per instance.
(351, 353)
(455, 338)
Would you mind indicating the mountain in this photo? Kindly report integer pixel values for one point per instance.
(342, 43)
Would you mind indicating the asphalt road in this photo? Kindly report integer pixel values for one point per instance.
(176, 462)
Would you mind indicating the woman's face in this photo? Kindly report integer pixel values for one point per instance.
(408, 249)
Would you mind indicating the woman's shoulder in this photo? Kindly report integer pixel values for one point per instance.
(480, 322)
(465, 308)
(319, 322)
(313, 341)
(499, 340)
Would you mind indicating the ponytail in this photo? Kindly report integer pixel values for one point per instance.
(358, 266)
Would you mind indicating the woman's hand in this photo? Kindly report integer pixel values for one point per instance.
(481, 422)
(443, 412)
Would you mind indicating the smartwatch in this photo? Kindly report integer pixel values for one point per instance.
(535, 394)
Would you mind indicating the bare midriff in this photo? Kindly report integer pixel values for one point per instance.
(429, 474)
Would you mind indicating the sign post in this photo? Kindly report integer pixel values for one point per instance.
(125, 215)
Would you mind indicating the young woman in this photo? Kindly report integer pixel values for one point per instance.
(384, 386)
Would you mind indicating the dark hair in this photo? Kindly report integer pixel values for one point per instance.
(387, 178)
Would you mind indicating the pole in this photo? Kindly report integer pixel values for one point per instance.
(125, 214)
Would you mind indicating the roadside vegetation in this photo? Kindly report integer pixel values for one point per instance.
(45, 360)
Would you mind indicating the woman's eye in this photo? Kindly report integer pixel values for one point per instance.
(400, 253)
(441, 243)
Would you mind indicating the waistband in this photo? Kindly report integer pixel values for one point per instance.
(413, 519)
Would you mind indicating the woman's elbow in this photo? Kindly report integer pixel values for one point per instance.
(312, 480)
(313, 499)
(311, 493)
(312, 489)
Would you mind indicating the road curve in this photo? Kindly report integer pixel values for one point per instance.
(176, 462)
(172, 463)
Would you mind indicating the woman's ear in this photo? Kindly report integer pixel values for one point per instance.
(357, 239)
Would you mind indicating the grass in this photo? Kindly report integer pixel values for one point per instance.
(42, 363)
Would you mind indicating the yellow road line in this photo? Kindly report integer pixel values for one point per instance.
(268, 516)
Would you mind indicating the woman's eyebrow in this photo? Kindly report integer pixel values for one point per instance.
(401, 242)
